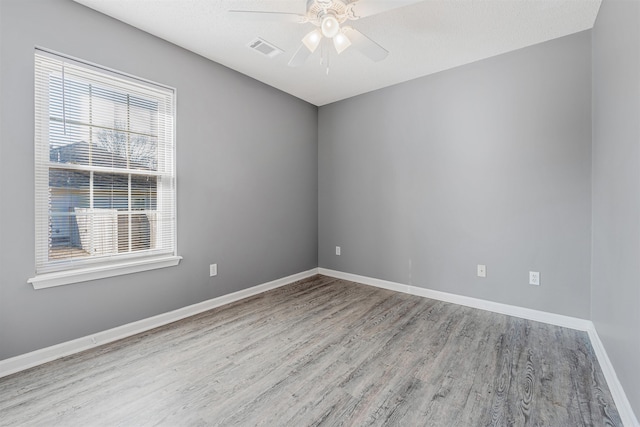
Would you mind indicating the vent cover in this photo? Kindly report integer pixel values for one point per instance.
(265, 48)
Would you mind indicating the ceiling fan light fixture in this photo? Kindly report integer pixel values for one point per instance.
(341, 42)
(330, 26)
(312, 40)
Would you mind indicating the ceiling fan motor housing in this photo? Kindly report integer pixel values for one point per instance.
(318, 10)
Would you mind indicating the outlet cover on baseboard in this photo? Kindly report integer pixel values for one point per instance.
(213, 270)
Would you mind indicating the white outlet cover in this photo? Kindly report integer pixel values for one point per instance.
(482, 270)
(337, 250)
(534, 278)
(213, 270)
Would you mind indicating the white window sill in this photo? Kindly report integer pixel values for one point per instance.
(60, 278)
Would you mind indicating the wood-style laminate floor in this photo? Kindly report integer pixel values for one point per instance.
(324, 351)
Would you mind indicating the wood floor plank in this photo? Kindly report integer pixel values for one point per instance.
(324, 351)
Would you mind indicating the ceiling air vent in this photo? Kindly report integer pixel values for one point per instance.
(265, 48)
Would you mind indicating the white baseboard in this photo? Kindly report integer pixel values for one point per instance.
(617, 392)
(619, 396)
(495, 307)
(38, 357)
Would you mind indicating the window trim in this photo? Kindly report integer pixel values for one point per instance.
(112, 267)
(102, 271)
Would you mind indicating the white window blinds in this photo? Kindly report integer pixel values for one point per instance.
(104, 166)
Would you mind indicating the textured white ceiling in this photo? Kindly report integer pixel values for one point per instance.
(423, 38)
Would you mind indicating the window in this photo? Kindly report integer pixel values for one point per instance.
(104, 172)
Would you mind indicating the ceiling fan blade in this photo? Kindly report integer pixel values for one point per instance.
(365, 45)
(300, 57)
(364, 8)
(255, 15)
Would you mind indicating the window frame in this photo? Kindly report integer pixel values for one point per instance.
(55, 273)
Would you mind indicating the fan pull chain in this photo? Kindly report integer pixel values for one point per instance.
(324, 55)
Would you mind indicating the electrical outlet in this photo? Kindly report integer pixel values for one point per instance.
(534, 278)
(337, 250)
(213, 270)
(482, 270)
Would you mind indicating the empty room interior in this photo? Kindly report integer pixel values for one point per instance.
(320, 212)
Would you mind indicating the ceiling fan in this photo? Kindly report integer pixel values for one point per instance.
(328, 16)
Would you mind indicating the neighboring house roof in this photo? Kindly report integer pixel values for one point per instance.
(78, 153)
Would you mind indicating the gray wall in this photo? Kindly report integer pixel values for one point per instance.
(489, 163)
(247, 179)
(616, 189)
